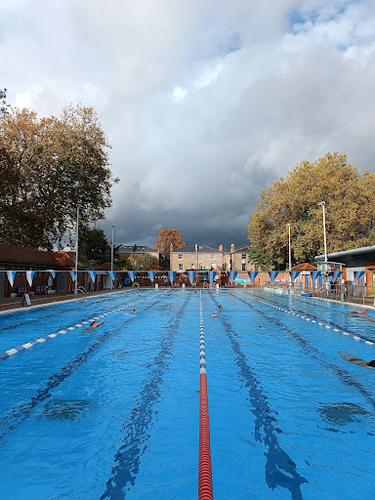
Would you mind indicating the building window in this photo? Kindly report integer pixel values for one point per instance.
(243, 256)
(192, 266)
(213, 266)
(243, 267)
(180, 256)
(200, 266)
(180, 266)
(213, 256)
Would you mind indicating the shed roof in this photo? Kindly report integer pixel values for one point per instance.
(304, 267)
(10, 254)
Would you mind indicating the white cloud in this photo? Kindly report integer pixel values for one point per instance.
(204, 102)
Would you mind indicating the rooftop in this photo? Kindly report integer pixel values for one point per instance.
(34, 257)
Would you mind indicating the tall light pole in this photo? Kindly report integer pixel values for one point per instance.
(112, 258)
(322, 204)
(75, 283)
(290, 251)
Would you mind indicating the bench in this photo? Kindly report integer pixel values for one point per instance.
(21, 290)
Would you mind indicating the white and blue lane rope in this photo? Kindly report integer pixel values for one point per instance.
(328, 327)
(202, 363)
(11, 352)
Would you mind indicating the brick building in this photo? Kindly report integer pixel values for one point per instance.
(198, 257)
(20, 259)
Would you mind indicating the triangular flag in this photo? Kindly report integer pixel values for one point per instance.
(315, 275)
(294, 274)
(92, 275)
(252, 275)
(112, 275)
(358, 275)
(151, 275)
(232, 275)
(335, 275)
(191, 276)
(73, 275)
(171, 276)
(211, 276)
(273, 275)
(52, 273)
(29, 277)
(132, 274)
(11, 275)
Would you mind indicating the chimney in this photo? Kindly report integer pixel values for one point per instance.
(232, 248)
(221, 248)
(171, 248)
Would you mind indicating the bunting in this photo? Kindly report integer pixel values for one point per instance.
(315, 275)
(252, 275)
(92, 275)
(211, 276)
(171, 276)
(273, 275)
(151, 275)
(131, 275)
(232, 275)
(358, 275)
(191, 276)
(112, 275)
(11, 275)
(335, 275)
(73, 275)
(294, 274)
(29, 277)
(52, 273)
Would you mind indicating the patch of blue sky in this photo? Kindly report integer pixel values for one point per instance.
(298, 17)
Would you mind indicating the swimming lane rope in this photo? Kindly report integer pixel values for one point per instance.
(204, 475)
(11, 352)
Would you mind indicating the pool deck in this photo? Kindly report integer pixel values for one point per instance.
(13, 304)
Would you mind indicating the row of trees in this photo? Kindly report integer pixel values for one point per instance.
(49, 166)
(349, 206)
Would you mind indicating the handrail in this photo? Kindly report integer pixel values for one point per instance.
(82, 289)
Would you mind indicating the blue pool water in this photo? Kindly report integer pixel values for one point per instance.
(114, 413)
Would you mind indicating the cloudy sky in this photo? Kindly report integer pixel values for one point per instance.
(205, 102)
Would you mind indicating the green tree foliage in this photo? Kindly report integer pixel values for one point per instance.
(166, 238)
(350, 212)
(94, 247)
(141, 262)
(51, 165)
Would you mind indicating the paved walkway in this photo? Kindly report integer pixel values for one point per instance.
(13, 303)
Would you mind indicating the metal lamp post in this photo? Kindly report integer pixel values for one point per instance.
(76, 277)
(290, 251)
(112, 258)
(322, 204)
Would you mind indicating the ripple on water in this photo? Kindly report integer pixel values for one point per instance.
(66, 409)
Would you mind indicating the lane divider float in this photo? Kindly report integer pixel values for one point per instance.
(11, 352)
(328, 327)
(205, 491)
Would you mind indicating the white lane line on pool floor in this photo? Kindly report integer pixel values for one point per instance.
(11, 352)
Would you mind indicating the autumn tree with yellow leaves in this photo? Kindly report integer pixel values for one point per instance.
(349, 209)
(166, 238)
(49, 166)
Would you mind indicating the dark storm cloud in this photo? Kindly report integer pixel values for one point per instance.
(205, 103)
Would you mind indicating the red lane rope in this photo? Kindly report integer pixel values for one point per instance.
(204, 476)
(205, 491)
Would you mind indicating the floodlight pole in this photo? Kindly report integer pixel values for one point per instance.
(290, 251)
(322, 204)
(76, 277)
(112, 258)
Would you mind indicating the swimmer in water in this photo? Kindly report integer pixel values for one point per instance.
(357, 361)
(220, 306)
(93, 325)
(357, 312)
(134, 311)
(213, 315)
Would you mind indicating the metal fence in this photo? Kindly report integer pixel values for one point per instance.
(348, 292)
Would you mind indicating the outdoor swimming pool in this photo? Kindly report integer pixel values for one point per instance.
(114, 413)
